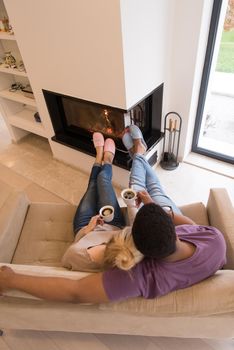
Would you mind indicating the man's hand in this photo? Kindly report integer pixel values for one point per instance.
(6, 274)
(143, 197)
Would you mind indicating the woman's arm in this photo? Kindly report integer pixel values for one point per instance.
(94, 221)
(86, 290)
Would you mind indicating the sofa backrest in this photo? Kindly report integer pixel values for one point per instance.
(197, 212)
(13, 209)
(221, 215)
(47, 233)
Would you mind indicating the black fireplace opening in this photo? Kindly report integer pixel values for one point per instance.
(75, 120)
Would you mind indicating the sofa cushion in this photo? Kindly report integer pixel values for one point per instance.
(46, 234)
(215, 295)
(221, 215)
(197, 212)
(12, 215)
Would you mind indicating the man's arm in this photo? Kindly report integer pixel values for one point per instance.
(86, 290)
(178, 219)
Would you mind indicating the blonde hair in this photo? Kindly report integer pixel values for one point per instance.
(121, 251)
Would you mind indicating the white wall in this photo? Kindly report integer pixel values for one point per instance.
(145, 33)
(188, 43)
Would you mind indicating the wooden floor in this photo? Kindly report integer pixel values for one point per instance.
(31, 340)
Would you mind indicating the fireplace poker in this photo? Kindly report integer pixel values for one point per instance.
(174, 136)
(170, 137)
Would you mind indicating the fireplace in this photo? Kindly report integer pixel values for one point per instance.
(74, 121)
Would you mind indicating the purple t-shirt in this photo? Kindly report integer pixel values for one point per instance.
(151, 278)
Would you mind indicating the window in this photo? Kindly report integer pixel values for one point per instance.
(214, 127)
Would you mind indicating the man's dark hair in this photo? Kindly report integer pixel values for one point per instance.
(153, 232)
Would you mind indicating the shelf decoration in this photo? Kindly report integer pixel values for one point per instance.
(10, 60)
(21, 67)
(172, 129)
(4, 24)
(27, 91)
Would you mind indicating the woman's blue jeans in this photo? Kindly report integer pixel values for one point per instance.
(143, 177)
(100, 192)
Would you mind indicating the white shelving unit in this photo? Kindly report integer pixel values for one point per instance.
(17, 110)
(14, 71)
(6, 36)
(18, 96)
(25, 119)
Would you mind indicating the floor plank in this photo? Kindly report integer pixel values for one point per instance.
(180, 344)
(3, 345)
(75, 341)
(28, 340)
(126, 342)
(223, 344)
(36, 340)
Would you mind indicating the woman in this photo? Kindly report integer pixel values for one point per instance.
(91, 232)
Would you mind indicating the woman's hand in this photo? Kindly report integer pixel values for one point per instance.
(143, 197)
(94, 221)
(6, 274)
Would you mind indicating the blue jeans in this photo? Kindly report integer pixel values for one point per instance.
(143, 177)
(100, 192)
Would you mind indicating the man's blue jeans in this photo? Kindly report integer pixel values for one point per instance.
(143, 177)
(100, 192)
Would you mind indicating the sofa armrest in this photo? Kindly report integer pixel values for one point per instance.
(12, 215)
(5, 192)
(42, 271)
(221, 215)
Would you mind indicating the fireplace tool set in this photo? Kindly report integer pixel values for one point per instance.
(172, 129)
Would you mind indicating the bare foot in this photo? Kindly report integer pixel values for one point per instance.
(138, 146)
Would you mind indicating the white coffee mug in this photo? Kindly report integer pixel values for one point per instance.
(107, 213)
(129, 196)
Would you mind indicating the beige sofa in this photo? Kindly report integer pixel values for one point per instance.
(33, 238)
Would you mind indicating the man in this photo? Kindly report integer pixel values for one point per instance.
(177, 252)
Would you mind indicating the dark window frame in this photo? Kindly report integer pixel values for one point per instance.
(214, 23)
